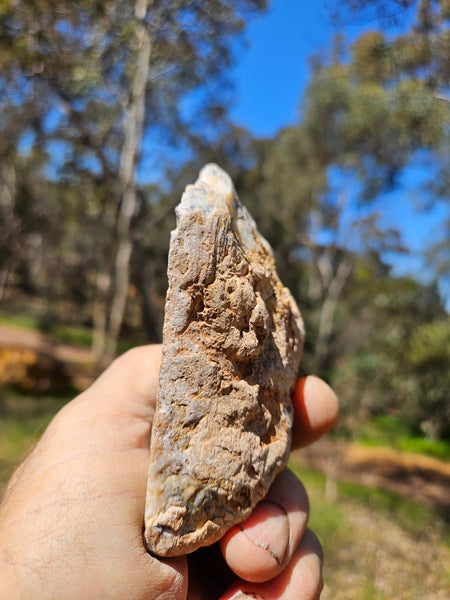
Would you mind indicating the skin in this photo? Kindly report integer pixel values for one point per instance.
(71, 518)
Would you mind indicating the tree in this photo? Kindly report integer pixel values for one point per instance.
(112, 75)
(428, 355)
(395, 335)
(370, 112)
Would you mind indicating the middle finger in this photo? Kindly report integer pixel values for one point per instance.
(260, 547)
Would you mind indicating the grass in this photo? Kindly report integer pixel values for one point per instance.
(24, 321)
(66, 334)
(377, 546)
(391, 431)
(75, 335)
(71, 334)
(23, 418)
(327, 517)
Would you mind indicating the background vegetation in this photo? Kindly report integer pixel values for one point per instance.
(108, 108)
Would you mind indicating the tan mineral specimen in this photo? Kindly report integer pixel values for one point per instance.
(232, 342)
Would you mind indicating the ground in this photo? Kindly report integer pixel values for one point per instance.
(424, 479)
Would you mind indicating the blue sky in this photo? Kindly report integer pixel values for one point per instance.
(274, 69)
(270, 78)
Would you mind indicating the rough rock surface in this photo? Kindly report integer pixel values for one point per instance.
(232, 342)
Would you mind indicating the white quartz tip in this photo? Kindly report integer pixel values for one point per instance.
(215, 178)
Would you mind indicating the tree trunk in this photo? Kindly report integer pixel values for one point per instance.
(143, 285)
(10, 227)
(133, 130)
(4, 272)
(100, 312)
(328, 310)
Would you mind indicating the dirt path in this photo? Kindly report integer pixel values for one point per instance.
(17, 336)
(79, 360)
(420, 478)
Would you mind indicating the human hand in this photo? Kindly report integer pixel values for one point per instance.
(72, 515)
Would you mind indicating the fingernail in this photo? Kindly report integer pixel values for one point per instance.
(239, 595)
(268, 528)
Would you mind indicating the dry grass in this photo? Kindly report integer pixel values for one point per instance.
(384, 561)
(378, 546)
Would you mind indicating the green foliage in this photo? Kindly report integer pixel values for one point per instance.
(396, 348)
(375, 108)
(430, 345)
(370, 58)
(361, 121)
(395, 432)
(370, 110)
(26, 321)
(69, 334)
(428, 355)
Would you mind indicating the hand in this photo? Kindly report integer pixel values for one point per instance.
(71, 518)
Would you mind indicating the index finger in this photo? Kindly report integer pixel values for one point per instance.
(315, 410)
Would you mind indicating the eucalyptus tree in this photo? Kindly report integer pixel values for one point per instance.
(113, 83)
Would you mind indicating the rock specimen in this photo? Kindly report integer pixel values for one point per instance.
(232, 341)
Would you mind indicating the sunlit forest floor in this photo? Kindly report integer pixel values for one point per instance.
(381, 515)
(377, 546)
